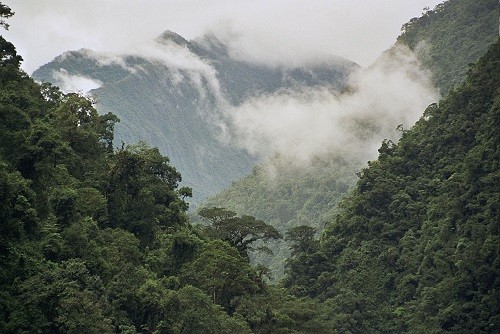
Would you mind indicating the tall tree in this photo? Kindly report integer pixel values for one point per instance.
(240, 232)
(142, 192)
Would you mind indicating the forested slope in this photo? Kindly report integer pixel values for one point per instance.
(415, 246)
(451, 36)
(294, 197)
(96, 240)
(445, 40)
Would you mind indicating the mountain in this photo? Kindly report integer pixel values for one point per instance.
(445, 40)
(451, 37)
(174, 95)
(96, 240)
(414, 247)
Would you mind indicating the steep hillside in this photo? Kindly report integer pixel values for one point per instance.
(452, 36)
(173, 95)
(415, 245)
(455, 34)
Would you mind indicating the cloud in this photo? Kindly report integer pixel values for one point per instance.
(178, 62)
(75, 83)
(303, 125)
(101, 58)
(182, 64)
(292, 31)
(298, 125)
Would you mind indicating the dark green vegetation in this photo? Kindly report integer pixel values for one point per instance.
(96, 240)
(451, 36)
(239, 232)
(175, 105)
(415, 245)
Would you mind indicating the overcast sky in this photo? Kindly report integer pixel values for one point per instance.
(281, 30)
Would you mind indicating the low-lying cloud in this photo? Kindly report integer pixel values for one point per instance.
(75, 83)
(304, 125)
(178, 62)
(182, 64)
(297, 125)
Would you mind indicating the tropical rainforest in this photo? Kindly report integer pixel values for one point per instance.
(95, 237)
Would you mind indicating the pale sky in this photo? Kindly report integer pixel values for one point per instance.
(294, 31)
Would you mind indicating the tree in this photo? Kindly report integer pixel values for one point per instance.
(302, 238)
(5, 12)
(222, 272)
(278, 312)
(141, 192)
(8, 54)
(61, 298)
(240, 232)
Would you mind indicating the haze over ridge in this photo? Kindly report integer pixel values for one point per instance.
(297, 122)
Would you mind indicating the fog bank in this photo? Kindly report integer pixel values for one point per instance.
(304, 125)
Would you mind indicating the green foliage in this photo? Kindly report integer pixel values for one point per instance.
(61, 298)
(452, 36)
(240, 232)
(141, 192)
(221, 272)
(293, 197)
(16, 207)
(275, 311)
(306, 262)
(410, 249)
(97, 241)
(5, 12)
(302, 238)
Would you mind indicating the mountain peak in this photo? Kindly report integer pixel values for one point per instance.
(210, 42)
(170, 36)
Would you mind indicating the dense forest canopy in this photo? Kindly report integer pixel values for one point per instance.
(95, 237)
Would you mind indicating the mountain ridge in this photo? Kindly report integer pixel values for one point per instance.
(172, 98)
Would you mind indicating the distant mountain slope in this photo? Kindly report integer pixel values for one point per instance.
(415, 245)
(171, 95)
(242, 80)
(292, 198)
(452, 36)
